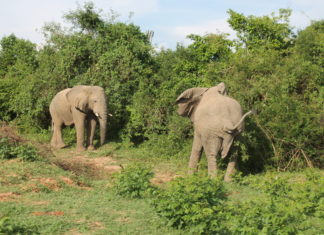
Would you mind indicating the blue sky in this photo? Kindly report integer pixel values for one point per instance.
(171, 20)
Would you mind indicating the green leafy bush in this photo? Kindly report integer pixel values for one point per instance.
(196, 203)
(288, 205)
(264, 217)
(134, 181)
(8, 227)
(9, 150)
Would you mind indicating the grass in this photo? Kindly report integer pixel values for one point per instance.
(71, 193)
(86, 211)
(59, 196)
(41, 196)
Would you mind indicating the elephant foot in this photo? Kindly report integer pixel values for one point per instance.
(58, 146)
(80, 149)
(227, 178)
(192, 170)
(212, 175)
(91, 147)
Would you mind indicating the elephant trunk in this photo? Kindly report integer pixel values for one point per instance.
(103, 127)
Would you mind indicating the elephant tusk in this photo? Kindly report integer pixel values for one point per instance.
(110, 115)
(97, 114)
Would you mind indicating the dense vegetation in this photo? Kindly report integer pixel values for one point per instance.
(269, 68)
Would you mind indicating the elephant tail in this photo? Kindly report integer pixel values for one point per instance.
(233, 129)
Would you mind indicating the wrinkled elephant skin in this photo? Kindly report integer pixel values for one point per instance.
(82, 106)
(217, 119)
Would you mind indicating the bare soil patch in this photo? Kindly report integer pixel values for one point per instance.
(42, 213)
(163, 177)
(9, 196)
(97, 168)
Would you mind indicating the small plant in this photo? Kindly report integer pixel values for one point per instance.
(10, 150)
(8, 227)
(5, 149)
(194, 202)
(264, 217)
(134, 181)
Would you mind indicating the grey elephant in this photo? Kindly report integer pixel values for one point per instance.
(217, 119)
(82, 106)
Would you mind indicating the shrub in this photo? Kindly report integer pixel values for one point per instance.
(264, 217)
(287, 208)
(10, 150)
(8, 227)
(194, 202)
(134, 181)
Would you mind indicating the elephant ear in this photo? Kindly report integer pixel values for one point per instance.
(188, 100)
(222, 88)
(78, 97)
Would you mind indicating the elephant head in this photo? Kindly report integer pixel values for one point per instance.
(90, 99)
(190, 98)
(188, 101)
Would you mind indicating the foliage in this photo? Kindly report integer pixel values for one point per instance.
(288, 202)
(134, 181)
(267, 203)
(268, 68)
(195, 203)
(9, 150)
(272, 32)
(8, 227)
(58, 201)
(309, 42)
(286, 206)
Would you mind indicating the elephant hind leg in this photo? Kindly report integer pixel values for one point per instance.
(226, 145)
(57, 140)
(231, 169)
(195, 154)
(212, 147)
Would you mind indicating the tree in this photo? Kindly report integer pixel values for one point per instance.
(14, 50)
(271, 32)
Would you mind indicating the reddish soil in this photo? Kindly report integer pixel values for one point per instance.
(41, 213)
(9, 196)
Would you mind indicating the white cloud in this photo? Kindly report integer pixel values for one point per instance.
(212, 26)
(124, 7)
(26, 18)
(304, 11)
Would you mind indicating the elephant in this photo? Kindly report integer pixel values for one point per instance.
(217, 120)
(82, 106)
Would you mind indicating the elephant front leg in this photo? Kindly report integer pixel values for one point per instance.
(79, 126)
(91, 127)
(195, 155)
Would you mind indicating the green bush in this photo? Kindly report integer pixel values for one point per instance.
(288, 206)
(10, 150)
(196, 203)
(134, 181)
(264, 217)
(8, 227)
